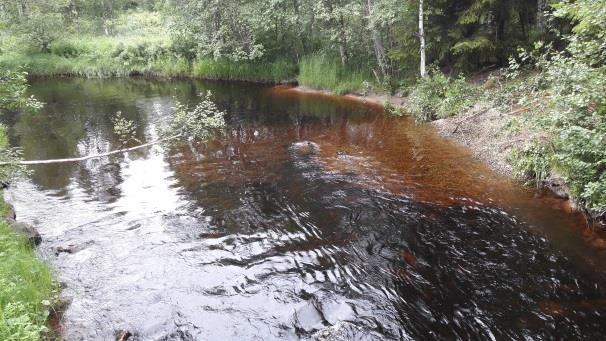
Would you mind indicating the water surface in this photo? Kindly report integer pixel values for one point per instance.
(311, 217)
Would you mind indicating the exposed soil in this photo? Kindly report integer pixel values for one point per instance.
(485, 133)
(374, 98)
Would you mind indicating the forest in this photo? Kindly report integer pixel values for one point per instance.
(542, 61)
(278, 40)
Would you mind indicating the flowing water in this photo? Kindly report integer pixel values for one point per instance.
(312, 217)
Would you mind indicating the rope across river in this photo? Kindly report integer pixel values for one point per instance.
(88, 157)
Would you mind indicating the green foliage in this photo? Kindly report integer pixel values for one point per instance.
(439, 96)
(13, 88)
(320, 71)
(101, 57)
(124, 128)
(532, 161)
(575, 120)
(199, 123)
(27, 288)
(375, 39)
(11, 156)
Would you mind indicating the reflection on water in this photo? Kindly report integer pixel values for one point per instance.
(312, 217)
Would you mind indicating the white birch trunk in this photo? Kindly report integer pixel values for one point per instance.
(422, 38)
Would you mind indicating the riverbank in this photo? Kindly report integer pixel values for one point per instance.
(488, 135)
(110, 63)
(486, 130)
(27, 287)
(482, 131)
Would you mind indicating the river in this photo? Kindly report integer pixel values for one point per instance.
(311, 218)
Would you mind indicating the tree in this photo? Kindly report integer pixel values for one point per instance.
(38, 23)
(422, 39)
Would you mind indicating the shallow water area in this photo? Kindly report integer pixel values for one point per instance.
(312, 217)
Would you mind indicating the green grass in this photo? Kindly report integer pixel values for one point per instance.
(100, 56)
(245, 71)
(122, 56)
(27, 288)
(319, 71)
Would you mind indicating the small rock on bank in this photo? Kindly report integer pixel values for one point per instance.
(28, 231)
(23, 229)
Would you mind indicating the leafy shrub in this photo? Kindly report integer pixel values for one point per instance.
(198, 123)
(439, 96)
(13, 88)
(139, 53)
(532, 161)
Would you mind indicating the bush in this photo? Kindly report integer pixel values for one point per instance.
(439, 96)
(532, 161)
(199, 123)
(575, 119)
(13, 88)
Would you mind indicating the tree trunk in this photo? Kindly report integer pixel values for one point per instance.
(376, 40)
(422, 38)
(343, 41)
(541, 8)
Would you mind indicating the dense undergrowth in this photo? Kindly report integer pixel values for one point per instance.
(141, 44)
(563, 96)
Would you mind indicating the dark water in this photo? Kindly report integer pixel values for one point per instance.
(311, 218)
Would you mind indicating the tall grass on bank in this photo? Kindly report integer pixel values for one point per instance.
(27, 287)
(43, 64)
(278, 71)
(100, 57)
(319, 71)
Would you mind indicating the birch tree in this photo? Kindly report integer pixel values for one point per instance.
(422, 39)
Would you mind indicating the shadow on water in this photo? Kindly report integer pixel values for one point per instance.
(313, 217)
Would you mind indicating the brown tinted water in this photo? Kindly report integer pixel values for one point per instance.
(311, 216)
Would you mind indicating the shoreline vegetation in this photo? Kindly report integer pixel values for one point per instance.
(28, 291)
